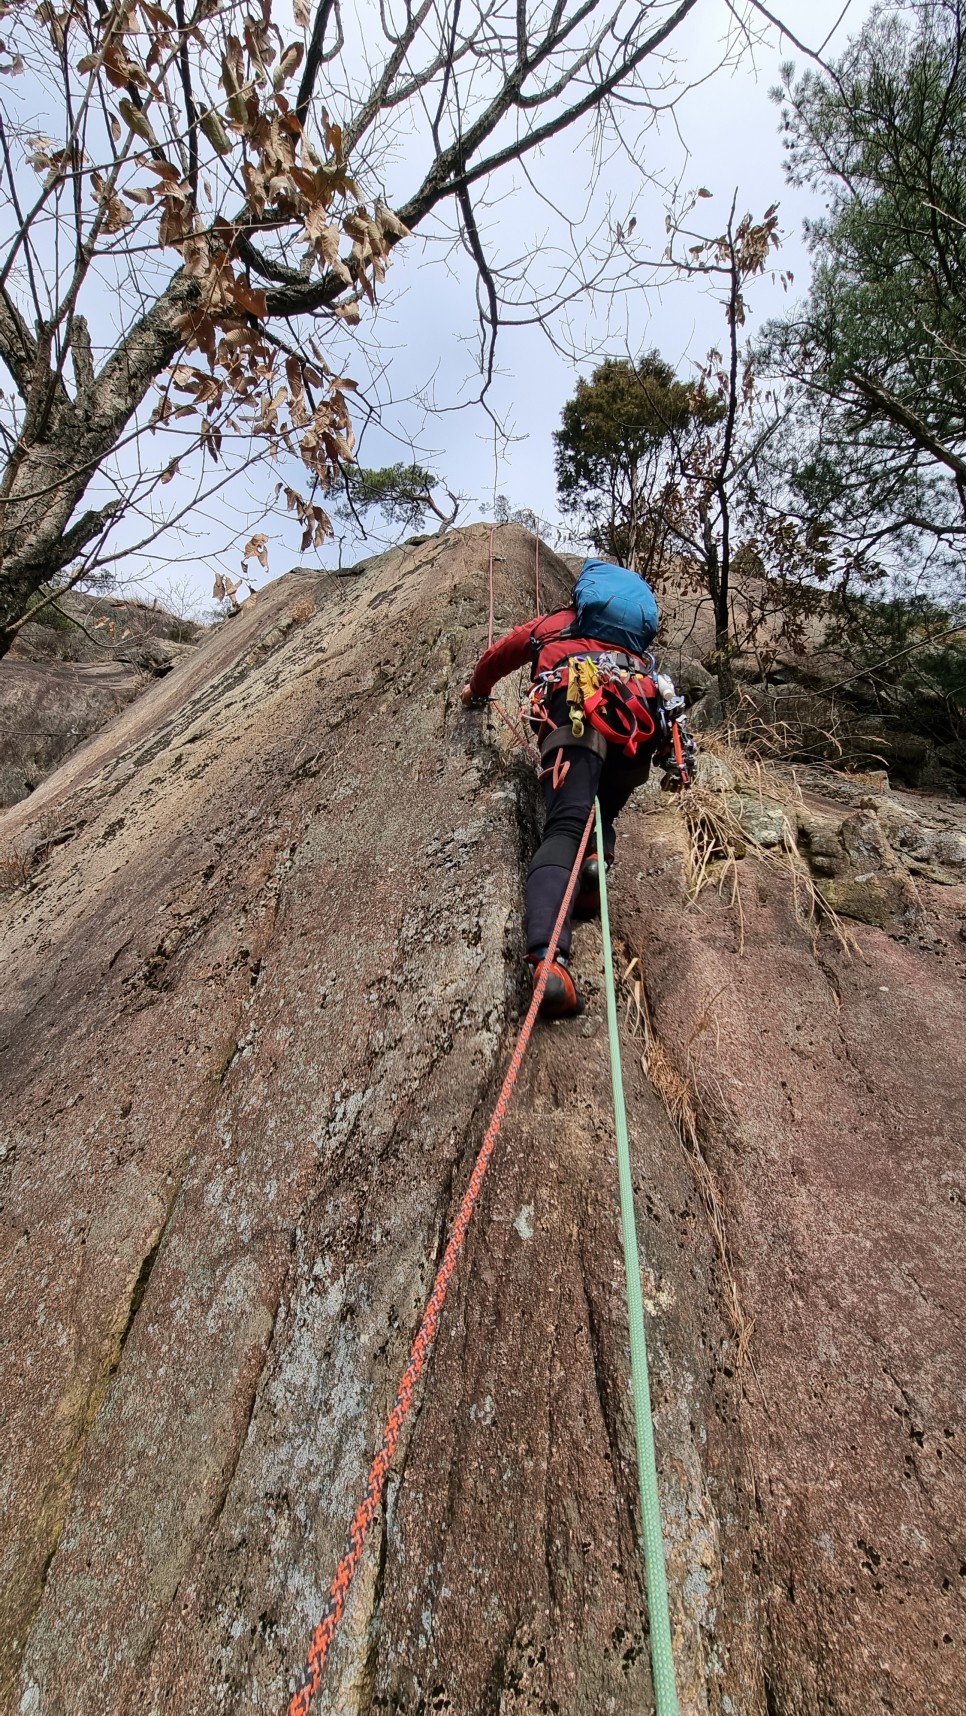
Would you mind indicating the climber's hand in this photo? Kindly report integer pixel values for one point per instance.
(470, 701)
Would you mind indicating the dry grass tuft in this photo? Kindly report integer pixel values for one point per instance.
(303, 610)
(718, 838)
(753, 767)
(20, 859)
(677, 1095)
(716, 841)
(15, 867)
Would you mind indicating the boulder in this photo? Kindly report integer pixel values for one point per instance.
(260, 994)
(761, 820)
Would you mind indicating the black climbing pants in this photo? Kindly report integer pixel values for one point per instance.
(612, 779)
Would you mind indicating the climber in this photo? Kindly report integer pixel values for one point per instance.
(601, 715)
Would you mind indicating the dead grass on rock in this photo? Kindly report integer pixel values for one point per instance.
(15, 868)
(740, 805)
(20, 859)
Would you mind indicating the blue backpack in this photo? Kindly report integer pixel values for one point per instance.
(615, 606)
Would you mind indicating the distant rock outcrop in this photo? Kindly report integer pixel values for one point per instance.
(71, 670)
(808, 700)
(262, 975)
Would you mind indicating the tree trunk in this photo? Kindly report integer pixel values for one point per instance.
(632, 529)
(37, 539)
(717, 583)
(63, 445)
(727, 690)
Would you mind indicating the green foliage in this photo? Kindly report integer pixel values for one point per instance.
(42, 608)
(913, 648)
(612, 446)
(504, 512)
(43, 611)
(908, 670)
(402, 493)
(944, 671)
(876, 356)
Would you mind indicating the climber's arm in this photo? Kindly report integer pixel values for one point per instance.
(501, 658)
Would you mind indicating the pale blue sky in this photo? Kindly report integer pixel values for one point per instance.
(723, 136)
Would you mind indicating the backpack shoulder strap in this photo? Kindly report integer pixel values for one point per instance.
(538, 641)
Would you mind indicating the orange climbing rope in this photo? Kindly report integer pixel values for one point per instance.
(419, 1352)
(489, 640)
(536, 569)
(515, 729)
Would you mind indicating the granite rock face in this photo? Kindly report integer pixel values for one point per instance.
(261, 982)
(63, 681)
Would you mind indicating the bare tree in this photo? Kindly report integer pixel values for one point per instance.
(184, 208)
(708, 505)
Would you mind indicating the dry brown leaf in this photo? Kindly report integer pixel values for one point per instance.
(195, 253)
(288, 64)
(118, 215)
(258, 546)
(390, 222)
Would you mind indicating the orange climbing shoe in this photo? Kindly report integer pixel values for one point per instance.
(560, 998)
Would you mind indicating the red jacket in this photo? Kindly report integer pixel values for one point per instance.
(515, 650)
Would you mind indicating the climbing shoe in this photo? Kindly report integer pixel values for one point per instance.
(587, 901)
(560, 999)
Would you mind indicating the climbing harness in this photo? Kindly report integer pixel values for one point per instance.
(614, 699)
(301, 1702)
(607, 690)
(655, 1574)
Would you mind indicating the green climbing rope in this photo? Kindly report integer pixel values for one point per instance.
(659, 1619)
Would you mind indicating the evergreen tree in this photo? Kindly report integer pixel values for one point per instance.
(403, 493)
(876, 356)
(612, 449)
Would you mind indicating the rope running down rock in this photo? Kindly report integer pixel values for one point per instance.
(419, 1353)
(658, 1614)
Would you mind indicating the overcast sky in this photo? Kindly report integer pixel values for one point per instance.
(723, 136)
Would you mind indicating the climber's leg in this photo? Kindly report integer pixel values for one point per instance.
(568, 807)
(618, 779)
